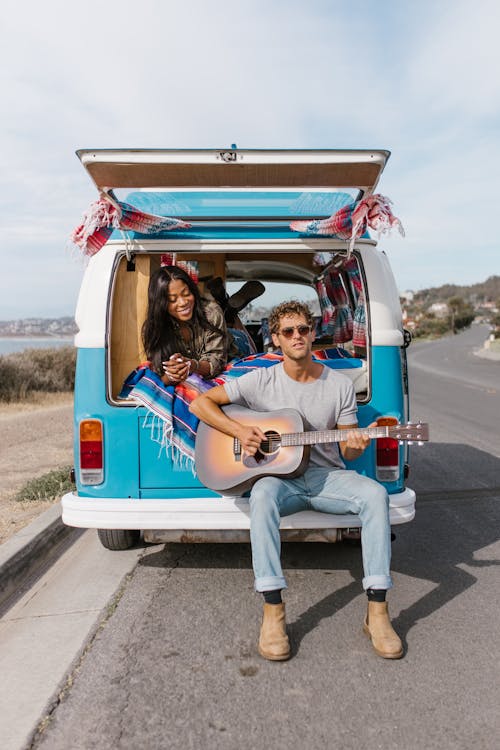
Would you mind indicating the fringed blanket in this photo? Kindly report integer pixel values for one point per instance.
(172, 424)
(352, 221)
(107, 214)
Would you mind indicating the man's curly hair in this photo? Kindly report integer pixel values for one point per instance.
(293, 307)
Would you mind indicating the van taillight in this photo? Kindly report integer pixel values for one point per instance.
(91, 452)
(387, 468)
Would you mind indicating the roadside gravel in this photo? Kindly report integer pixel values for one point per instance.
(36, 438)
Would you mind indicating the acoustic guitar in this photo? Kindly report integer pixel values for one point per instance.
(223, 466)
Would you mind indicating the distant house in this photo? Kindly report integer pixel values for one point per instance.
(439, 309)
(407, 296)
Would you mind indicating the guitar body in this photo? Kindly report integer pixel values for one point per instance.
(219, 469)
(222, 466)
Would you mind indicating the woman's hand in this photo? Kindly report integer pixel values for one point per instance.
(176, 369)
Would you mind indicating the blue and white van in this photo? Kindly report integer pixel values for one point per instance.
(240, 204)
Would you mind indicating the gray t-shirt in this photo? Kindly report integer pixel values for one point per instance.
(328, 401)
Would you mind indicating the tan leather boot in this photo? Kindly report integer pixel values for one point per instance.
(273, 641)
(385, 640)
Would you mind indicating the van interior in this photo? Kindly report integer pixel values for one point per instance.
(285, 276)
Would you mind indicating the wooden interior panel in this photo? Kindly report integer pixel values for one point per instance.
(127, 316)
(222, 175)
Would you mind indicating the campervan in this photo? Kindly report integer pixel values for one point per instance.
(239, 205)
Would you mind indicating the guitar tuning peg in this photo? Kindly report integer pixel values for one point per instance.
(420, 442)
(401, 442)
(410, 442)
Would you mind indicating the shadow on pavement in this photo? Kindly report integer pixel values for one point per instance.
(458, 514)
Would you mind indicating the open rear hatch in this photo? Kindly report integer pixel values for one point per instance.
(234, 168)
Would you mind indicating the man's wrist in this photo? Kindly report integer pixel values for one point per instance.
(351, 453)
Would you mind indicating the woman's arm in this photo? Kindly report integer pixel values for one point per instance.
(213, 345)
(211, 351)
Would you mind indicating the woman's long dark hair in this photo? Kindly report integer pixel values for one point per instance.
(158, 332)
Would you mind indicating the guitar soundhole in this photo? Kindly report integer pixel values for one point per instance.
(267, 452)
(272, 444)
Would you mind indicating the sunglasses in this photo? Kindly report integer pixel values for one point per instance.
(302, 330)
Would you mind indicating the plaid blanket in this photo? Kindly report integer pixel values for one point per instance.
(326, 306)
(352, 221)
(171, 423)
(107, 214)
(342, 321)
(359, 318)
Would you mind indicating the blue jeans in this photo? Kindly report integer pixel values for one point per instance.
(329, 491)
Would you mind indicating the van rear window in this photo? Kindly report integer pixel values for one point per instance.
(285, 205)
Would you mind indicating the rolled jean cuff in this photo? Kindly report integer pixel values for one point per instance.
(270, 583)
(377, 582)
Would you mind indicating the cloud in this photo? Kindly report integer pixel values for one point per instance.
(458, 61)
(419, 79)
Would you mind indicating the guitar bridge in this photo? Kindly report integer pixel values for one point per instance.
(236, 449)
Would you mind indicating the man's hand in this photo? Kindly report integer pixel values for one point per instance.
(355, 442)
(207, 406)
(250, 438)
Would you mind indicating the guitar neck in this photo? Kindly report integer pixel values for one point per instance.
(329, 436)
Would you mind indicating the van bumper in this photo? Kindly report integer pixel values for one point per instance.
(224, 513)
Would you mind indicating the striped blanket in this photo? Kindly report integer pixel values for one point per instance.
(172, 424)
(107, 214)
(352, 221)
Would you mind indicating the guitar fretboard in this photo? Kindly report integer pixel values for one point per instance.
(329, 436)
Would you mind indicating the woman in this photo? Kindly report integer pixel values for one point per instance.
(183, 333)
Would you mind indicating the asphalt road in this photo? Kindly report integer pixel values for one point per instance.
(176, 666)
(456, 391)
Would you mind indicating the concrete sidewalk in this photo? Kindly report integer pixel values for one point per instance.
(31, 550)
(489, 350)
(487, 353)
(65, 582)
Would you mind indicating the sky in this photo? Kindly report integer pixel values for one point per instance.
(418, 78)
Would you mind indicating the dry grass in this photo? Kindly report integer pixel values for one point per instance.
(50, 486)
(15, 516)
(35, 400)
(34, 370)
(37, 439)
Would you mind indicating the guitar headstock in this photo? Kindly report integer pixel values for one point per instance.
(412, 431)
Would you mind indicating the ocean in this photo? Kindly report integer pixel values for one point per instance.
(9, 345)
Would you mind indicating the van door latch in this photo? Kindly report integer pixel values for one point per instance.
(228, 156)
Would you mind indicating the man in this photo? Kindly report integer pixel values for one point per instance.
(326, 400)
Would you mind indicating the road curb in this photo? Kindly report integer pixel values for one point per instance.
(30, 549)
(486, 353)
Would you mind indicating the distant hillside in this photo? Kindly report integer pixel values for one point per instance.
(487, 291)
(32, 327)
